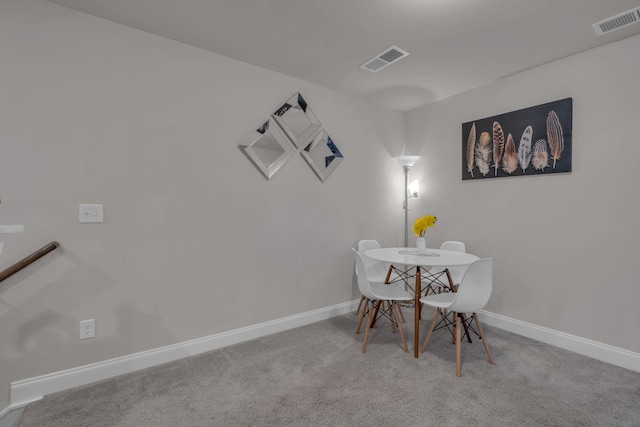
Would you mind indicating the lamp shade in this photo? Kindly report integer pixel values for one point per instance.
(406, 161)
(414, 188)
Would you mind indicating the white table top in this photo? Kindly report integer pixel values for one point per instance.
(431, 258)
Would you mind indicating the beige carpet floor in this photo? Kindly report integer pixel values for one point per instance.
(316, 376)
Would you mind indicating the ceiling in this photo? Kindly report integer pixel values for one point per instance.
(454, 45)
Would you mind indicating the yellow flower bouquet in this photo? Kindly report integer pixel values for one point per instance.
(421, 224)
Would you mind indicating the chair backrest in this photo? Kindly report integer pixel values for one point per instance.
(376, 270)
(453, 245)
(363, 279)
(475, 287)
(455, 272)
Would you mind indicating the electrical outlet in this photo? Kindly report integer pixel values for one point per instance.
(87, 328)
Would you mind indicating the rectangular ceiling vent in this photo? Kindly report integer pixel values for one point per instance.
(384, 59)
(616, 22)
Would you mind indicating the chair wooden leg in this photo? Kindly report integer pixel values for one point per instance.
(430, 331)
(365, 309)
(458, 345)
(394, 306)
(375, 314)
(453, 287)
(372, 312)
(453, 322)
(400, 311)
(362, 298)
(386, 280)
(388, 305)
(466, 328)
(485, 344)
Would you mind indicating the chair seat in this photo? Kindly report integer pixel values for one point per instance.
(394, 292)
(443, 300)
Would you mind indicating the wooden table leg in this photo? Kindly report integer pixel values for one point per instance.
(416, 323)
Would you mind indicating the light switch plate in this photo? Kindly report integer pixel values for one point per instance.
(91, 213)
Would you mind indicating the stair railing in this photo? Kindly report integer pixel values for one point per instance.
(28, 260)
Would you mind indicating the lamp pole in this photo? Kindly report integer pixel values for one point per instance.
(406, 206)
(406, 162)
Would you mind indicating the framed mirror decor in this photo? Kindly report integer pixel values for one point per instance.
(292, 128)
(297, 120)
(322, 154)
(268, 148)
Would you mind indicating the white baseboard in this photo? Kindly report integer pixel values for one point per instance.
(10, 417)
(606, 353)
(25, 391)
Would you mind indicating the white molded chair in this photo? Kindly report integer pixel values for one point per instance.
(377, 271)
(456, 273)
(376, 293)
(472, 294)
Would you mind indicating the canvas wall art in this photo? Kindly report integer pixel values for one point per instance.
(531, 141)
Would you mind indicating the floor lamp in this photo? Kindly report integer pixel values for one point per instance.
(406, 162)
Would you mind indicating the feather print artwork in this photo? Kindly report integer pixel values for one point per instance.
(498, 146)
(540, 155)
(471, 143)
(483, 153)
(554, 137)
(524, 149)
(510, 157)
(536, 140)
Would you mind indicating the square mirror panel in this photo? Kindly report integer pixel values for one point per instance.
(297, 120)
(267, 148)
(322, 154)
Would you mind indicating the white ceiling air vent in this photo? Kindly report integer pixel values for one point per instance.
(616, 22)
(384, 59)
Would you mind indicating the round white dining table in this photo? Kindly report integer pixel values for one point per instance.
(430, 258)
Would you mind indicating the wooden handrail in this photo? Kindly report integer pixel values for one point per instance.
(28, 260)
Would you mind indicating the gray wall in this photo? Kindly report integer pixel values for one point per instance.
(565, 245)
(195, 241)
